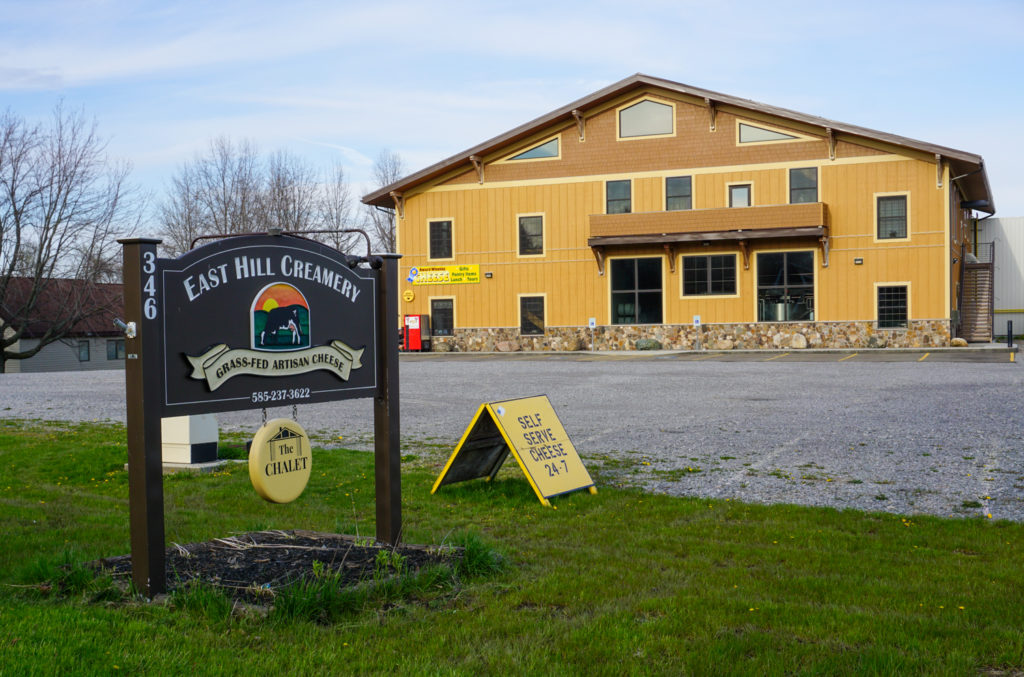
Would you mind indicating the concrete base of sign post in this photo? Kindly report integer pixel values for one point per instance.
(189, 440)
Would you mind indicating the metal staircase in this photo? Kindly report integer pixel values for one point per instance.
(977, 295)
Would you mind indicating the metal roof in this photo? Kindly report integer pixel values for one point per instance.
(968, 167)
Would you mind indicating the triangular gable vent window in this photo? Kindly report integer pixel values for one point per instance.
(544, 150)
(752, 134)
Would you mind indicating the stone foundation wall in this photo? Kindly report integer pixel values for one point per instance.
(752, 336)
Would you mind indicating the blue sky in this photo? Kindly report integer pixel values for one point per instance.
(338, 81)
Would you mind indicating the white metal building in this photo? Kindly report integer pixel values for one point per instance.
(1008, 236)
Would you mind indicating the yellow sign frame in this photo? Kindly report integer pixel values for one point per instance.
(530, 429)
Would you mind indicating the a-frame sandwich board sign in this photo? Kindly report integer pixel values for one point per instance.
(531, 431)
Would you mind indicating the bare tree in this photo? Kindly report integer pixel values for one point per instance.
(387, 169)
(290, 193)
(230, 189)
(63, 203)
(336, 212)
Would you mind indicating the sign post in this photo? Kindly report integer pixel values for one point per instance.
(142, 394)
(387, 436)
(250, 322)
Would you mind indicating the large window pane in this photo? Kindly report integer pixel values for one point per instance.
(785, 286)
(636, 291)
(648, 273)
(770, 269)
(623, 274)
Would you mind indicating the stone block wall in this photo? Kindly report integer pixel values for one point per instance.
(742, 336)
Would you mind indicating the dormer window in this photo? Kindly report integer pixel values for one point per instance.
(646, 118)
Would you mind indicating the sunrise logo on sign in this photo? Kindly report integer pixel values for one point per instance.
(280, 319)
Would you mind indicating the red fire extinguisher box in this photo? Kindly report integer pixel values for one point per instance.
(417, 332)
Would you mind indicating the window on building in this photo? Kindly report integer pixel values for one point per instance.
(636, 291)
(892, 307)
(647, 118)
(892, 217)
(531, 235)
(678, 193)
(440, 240)
(617, 197)
(752, 134)
(83, 351)
(709, 275)
(803, 185)
(442, 317)
(115, 349)
(547, 149)
(739, 195)
(785, 287)
(531, 315)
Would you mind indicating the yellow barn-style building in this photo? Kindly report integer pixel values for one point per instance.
(655, 210)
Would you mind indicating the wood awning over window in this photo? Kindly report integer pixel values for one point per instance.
(735, 224)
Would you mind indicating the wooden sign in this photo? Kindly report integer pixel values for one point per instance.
(531, 431)
(248, 322)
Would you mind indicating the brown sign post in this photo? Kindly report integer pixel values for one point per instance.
(249, 322)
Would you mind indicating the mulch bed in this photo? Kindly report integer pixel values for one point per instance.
(251, 566)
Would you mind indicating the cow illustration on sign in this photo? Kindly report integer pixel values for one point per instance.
(280, 318)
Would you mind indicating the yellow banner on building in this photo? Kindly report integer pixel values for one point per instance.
(464, 274)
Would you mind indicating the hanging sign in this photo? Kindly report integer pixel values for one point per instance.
(531, 431)
(280, 460)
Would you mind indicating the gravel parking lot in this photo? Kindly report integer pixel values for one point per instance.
(943, 438)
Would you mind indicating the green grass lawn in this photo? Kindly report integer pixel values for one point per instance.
(621, 582)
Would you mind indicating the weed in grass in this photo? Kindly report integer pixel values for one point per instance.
(479, 559)
(202, 600)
